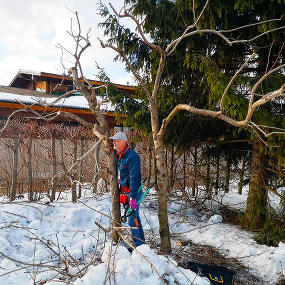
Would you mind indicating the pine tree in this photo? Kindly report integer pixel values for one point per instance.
(185, 72)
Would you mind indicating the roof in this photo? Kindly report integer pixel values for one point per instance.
(17, 97)
(22, 75)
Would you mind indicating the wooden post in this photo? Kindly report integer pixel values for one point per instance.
(54, 170)
(15, 166)
(80, 168)
(30, 167)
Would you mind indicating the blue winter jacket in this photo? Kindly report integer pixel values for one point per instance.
(129, 171)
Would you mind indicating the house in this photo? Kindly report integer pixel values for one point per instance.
(27, 85)
(30, 155)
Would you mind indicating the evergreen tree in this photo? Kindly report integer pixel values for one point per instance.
(196, 73)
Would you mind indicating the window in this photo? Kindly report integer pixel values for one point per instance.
(69, 87)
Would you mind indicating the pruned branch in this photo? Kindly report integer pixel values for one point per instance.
(231, 82)
(144, 257)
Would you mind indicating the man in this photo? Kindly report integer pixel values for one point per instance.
(129, 180)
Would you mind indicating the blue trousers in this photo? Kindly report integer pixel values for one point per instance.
(137, 234)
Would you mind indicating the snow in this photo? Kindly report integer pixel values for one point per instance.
(134, 269)
(49, 233)
(75, 101)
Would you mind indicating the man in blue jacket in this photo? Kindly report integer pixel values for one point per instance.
(129, 180)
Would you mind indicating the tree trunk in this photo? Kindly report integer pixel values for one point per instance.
(101, 130)
(208, 178)
(195, 172)
(282, 203)
(172, 168)
(15, 167)
(149, 166)
(217, 183)
(116, 210)
(96, 171)
(256, 206)
(162, 173)
(228, 176)
(184, 170)
(155, 173)
(30, 168)
(163, 192)
(74, 176)
(241, 176)
(53, 158)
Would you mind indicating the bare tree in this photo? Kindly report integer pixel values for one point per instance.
(100, 128)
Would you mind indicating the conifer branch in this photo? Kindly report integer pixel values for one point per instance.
(130, 66)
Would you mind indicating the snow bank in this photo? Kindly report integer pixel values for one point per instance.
(72, 227)
(133, 268)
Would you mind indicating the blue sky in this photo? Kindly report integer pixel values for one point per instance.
(31, 29)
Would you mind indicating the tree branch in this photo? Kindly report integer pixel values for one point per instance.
(95, 146)
(260, 81)
(266, 98)
(250, 25)
(10, 117)
(195, 24)
(128, 15)
(130, 66)
(232, 80)
(75, 118)
(243, 124)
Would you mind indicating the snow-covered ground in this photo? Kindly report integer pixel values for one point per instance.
(64, 237)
